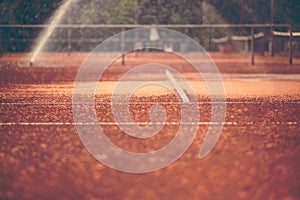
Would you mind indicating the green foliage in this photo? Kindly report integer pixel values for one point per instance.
(259, 11)
(169, 11)
(122, 12)
(287, 11)
(26, 12)
(144, 12)
(155, 11)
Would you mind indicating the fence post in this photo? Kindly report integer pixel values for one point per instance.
(272, 41)
(1, 43)
(291, 46)
(123, 46)
(252, 46)
(69, 33)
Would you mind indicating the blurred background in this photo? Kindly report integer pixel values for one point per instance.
(257, 156)
(146, 12)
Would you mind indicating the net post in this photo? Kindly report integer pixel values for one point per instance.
(252, 46)
(262, 44)
(69, 35)
(272, 41)
(123, 46)
(1, 43)
(69, 40)
(291, 46)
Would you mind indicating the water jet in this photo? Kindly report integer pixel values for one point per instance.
(49, 30)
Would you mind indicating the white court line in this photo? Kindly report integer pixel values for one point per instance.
(149, 102)
(262, 77)
(140, 123)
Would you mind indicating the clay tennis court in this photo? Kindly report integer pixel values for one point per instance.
(256, 157)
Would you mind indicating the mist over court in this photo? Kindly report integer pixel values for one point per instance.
(143, 99)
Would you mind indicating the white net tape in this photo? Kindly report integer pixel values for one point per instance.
(237, 38)
(220, 40)
(286, 34)
(247, 37)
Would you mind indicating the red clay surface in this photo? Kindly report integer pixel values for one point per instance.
(42, 157)
(62, 67)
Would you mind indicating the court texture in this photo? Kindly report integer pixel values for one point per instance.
(255, 157)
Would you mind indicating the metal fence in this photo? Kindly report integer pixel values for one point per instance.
(223, 37)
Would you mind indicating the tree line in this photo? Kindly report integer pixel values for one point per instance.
(145, 12)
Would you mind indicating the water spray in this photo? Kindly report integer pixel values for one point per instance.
(48, 32)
